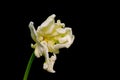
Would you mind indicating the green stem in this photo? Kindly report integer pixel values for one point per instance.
(29, 66)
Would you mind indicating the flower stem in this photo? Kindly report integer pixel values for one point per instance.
(29, 66)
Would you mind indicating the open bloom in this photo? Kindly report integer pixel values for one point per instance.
(50, 37)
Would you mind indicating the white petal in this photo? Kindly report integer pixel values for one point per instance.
(45, 50)
(38, 51)
(53, 58)
(45, 66)
(63, 39)
(49, 65)
(70, 41)
(33, 31)
(48, 20)
(47, 25)
(59, 46)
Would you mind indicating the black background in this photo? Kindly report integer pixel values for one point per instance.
(85, 59)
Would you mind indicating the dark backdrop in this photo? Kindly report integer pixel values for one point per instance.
(83, 60)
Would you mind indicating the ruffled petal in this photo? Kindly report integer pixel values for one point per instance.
(65, 39)
(49, 65)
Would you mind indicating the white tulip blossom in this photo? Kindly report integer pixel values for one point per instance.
(50, 36)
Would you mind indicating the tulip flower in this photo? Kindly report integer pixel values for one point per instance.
(49, 37)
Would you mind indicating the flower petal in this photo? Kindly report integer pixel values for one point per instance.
(38, 51)
(47, 26)
(33, 31)
(48, 21)
(49, 65)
